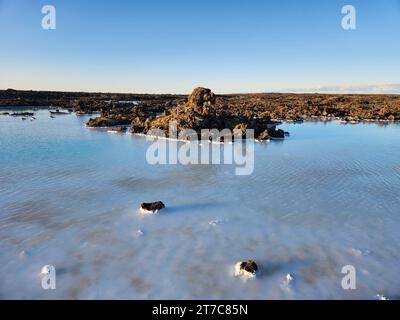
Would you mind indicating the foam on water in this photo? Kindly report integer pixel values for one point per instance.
(326, 197)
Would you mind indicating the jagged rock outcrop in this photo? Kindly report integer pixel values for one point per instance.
(199, 112)
(202, 101)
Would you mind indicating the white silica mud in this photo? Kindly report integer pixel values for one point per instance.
(147, 212)
(324, 198)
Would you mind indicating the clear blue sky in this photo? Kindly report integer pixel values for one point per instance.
(174, 45)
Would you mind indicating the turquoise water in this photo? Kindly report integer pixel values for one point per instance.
(326, 197)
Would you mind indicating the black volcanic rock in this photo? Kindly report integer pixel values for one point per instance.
(200, 112)
(246, 268)
(284, 106)
(276, 133)
(118, 129)
(152, 206)
(202, 101)
(106, 122)
(22, 114)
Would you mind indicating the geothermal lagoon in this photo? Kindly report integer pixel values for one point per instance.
(323, 198)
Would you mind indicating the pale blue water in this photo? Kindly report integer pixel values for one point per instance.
(326, 197)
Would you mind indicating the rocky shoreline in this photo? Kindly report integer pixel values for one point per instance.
(198, 113)
(253, 111)
(204, 110)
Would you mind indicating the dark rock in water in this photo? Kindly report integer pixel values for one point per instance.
(272, 132)
(82, 113)
(5, 113)
(22, 114)
(58, 112)
(118, 130)
(264, 135)
(152, 206)
(106, 122)
(276, 133)
(248, 268)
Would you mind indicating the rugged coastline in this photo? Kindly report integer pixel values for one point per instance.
(283, 106)
(206, 110)
(198, 113)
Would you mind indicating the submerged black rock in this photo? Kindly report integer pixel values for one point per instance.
(22, 114)
(246, 268)
(152, 206)
(249, 266)
(58, 112)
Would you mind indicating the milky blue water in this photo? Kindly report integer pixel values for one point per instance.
(326, 197)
